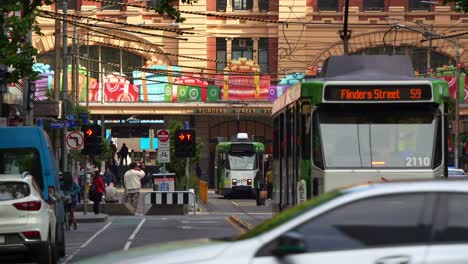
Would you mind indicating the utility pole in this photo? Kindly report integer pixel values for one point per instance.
(429, 49)
(457, 103)
(345, 34)
(64, 85)
(28, 112)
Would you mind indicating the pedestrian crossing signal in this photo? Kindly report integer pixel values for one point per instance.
(185, 143)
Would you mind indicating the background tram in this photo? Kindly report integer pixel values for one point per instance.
(237, 164)
(364, 121)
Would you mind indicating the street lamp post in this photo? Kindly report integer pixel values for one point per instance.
(457, 104)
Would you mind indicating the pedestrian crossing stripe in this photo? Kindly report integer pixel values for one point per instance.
(169, 198)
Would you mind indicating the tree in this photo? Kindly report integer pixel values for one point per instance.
(460, 5)
(177, 165)
(167, 6)
(15, 50)
(18, 53)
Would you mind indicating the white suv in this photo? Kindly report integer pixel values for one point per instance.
(27, 222)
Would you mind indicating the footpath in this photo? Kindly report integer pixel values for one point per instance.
(90, 217)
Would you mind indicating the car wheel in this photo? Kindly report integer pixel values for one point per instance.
(60, 240)
(45, 253)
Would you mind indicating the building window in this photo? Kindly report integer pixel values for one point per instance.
(327, 5)
(221, 54)
(72, 5)
(263, 48)
(242, 4)
(154, 3)
(263, 5)
(373, 5)
(418, 5)
(221, 5)
(242, 48)
(112, 6)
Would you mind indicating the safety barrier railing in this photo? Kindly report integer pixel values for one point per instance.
(170, 198)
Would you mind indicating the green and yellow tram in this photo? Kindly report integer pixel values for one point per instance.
(237, 163)
(368, 119)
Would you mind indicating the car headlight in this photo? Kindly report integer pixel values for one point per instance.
(249, 181)
(234, 181)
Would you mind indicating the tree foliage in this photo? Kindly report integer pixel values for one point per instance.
(18, 53)
(460, 5)
(15, 50)
(167, 6)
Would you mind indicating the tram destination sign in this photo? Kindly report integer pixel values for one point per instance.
(379, 92)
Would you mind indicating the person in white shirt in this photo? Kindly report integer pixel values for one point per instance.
(111, 193)
(132, 181)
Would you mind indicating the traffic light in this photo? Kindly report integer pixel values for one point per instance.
(92, 140)
(31, 95)
(185, 143)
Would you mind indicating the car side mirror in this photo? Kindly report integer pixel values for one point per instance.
(289, 243)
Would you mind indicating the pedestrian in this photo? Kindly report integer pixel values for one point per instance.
(108, 176)
(111, 193)
(269, 182)
(113, 149)
(71, 191)
(132, 181)
(123, 154)
(259, 185)
(96, 191)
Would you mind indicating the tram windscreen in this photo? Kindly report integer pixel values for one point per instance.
(378, 139)
(242, 160)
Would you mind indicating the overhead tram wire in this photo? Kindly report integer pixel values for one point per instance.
(176, 31)
(227, 16)
(111, 28)
(172, 72)
(172, 83)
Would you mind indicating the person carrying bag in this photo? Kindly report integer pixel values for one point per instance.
(259, 185)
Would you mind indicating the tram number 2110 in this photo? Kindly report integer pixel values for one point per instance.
(418, 161)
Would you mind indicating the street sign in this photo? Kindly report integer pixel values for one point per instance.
(74, 140)
(73, 123)
(164, 155)
(83, 115)
(58, 124)
(71, 117)
(163, 135)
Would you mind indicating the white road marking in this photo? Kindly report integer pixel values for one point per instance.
(234, 203)
(132, 236)
(86, 243)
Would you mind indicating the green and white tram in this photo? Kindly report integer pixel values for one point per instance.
(237, 164)
(359, 123)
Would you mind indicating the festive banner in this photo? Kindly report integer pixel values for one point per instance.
(242, 81)
(154, 83)
(118, 89)
(44, 82)
(196, 87)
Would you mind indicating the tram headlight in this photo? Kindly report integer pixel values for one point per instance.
(249, 181)
(234, 181)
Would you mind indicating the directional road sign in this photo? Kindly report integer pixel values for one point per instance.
(75, 140)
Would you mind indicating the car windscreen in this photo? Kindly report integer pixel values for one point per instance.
(13, 190)
(242, 160)
(402, 138)
(18, 160)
